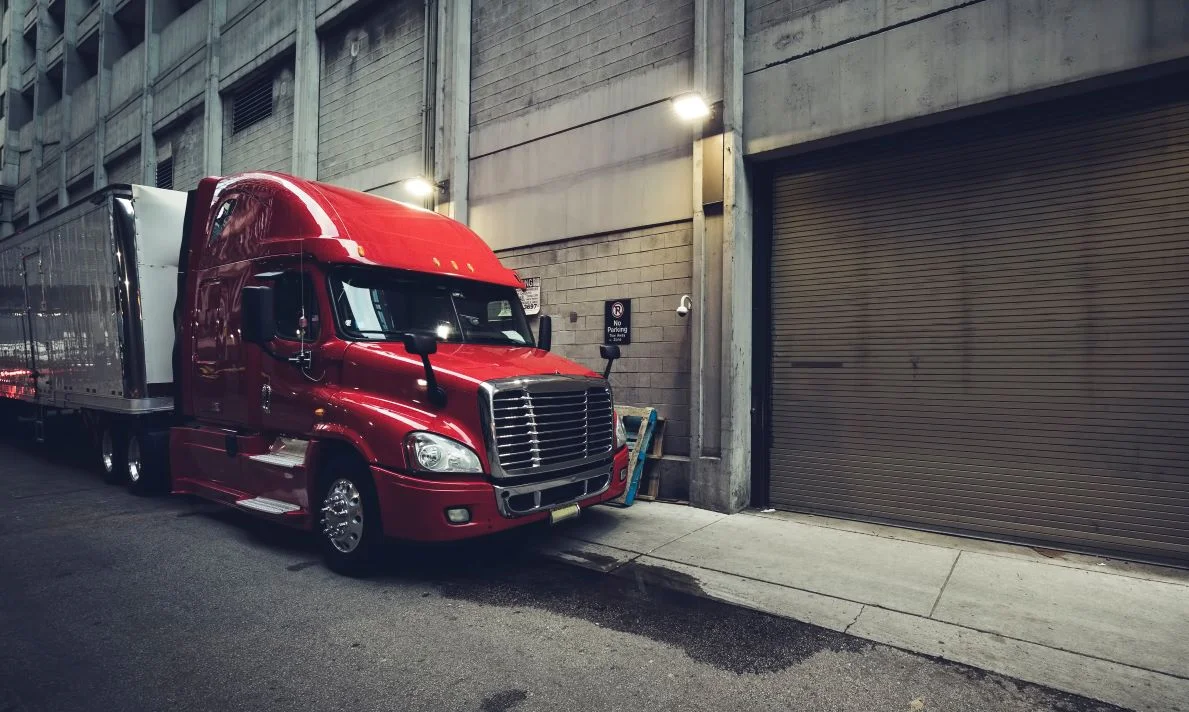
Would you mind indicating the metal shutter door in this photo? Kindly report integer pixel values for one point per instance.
(984, 327)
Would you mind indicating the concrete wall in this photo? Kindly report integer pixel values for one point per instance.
(831, 68)
(51, 130)
(557, 89)
(80, 157)
(84, 107)
(185, 35)
(255, 38)
(180, 90)
(651, 267)
(268, 144)
(127, 76)
(527, 54)
(124, 128)
(366, 142)
(183, 142)
(125, 168)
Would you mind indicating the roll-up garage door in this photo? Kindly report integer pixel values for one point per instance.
(983, 327)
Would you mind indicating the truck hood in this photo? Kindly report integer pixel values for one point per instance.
(384, 391)
(457, 364)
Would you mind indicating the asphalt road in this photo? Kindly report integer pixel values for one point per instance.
(110, 602)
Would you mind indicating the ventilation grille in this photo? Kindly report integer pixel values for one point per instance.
(251, 104)
(165, 173)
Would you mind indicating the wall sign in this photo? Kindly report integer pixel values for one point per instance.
(617, 321)
(530, 296)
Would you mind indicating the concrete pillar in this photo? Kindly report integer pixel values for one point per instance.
(212, 105)
(111, 46)
(72, 71)
(39, 103)
(720, 382)
(152, 63)
(453, 102)
(306, 78)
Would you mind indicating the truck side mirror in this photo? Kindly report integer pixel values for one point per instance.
(424, 345)
(545, 334)
(609, 352)
(259, 324)
(420, 344)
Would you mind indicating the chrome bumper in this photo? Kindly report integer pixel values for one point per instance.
(519, 500)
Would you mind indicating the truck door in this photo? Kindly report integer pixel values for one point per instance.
(290, 378)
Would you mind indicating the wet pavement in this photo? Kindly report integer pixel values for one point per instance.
(111, 602)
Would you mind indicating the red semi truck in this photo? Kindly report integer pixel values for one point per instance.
(325, 358)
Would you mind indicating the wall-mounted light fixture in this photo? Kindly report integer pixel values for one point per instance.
(691, 107)
(419, 187)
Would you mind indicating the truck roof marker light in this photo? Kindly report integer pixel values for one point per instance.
(470, 266)
(319, 412)
(454, 265)
(437, 262)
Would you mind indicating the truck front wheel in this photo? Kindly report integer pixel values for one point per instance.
(350, 535)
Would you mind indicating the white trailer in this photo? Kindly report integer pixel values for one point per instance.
(86, 308)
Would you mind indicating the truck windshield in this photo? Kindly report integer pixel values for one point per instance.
(378, 304)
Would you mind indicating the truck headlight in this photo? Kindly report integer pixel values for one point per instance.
(621, 433)
(435, 453)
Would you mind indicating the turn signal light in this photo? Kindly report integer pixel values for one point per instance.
(623, 474)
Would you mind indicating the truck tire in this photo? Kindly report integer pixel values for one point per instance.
(347, 520)
(145, 471)
(111, 453)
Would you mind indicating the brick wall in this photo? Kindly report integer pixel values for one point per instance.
(650, 266)
(371, 92)
(528, 53)
(125, 168)
(265, 145)
(185, 142)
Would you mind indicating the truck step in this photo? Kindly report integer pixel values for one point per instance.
(266, 505)
(285, 452)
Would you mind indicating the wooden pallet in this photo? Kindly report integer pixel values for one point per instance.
(640, 424)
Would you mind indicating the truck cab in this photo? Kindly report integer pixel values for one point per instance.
(364, 369)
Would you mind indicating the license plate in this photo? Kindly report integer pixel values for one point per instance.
(561, 514)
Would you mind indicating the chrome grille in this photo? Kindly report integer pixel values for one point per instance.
(544, 425)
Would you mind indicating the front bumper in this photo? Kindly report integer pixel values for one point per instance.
(414, 509)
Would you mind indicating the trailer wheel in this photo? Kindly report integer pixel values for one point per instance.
(144, 469)
(348, 521)
(111, 455)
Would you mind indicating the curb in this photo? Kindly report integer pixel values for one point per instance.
(1103, 680)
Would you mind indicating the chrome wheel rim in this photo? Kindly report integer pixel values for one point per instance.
(342, 516)
(107, 452)
(134, 464)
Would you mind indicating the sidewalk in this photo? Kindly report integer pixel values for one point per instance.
(1111, 630)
